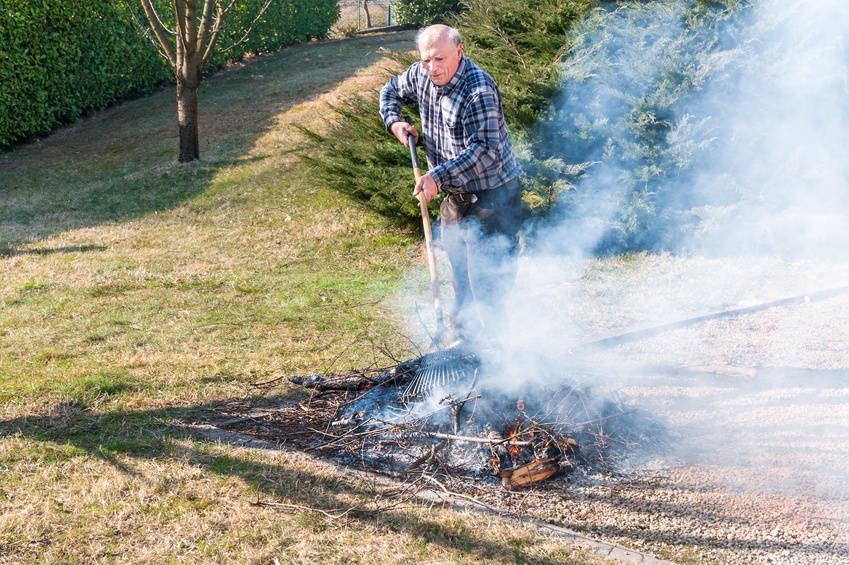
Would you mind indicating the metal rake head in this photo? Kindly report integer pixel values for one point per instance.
(441, 369)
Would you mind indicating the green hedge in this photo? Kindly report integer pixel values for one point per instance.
(285, 22)
(425, 12)
(60, 59)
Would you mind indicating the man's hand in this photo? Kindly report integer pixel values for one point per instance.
(401, 130)
(427, 187)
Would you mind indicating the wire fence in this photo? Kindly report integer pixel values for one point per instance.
(364, 15)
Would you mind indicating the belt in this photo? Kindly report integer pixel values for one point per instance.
(463, 196)
(473, 197)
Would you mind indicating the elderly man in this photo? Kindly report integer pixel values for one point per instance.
(471, 160)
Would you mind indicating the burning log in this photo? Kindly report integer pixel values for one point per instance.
(528, 474)
(509, 456)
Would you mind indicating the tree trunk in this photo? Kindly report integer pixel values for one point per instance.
(187, 118)
(187, 70)
(193, 44)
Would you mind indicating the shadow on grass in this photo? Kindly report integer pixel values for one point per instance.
(8, 252)
(152, 435)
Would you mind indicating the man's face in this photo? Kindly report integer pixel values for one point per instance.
(440, 58)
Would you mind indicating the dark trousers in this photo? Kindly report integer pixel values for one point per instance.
(480, 236)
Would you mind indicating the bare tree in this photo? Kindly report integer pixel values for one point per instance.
(189, 48)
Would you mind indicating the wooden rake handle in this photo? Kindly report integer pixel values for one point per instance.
(431, 255)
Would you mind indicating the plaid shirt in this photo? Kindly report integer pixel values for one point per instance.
(465, 137)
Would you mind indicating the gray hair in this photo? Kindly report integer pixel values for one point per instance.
(442, 31)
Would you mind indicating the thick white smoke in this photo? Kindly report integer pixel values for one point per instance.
(720, 131)
(752, 161)
(788, 132)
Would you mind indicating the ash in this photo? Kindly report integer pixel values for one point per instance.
(481, 415)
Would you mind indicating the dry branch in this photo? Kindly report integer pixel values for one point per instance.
(426, 457)
(322, 384)
(491, 441)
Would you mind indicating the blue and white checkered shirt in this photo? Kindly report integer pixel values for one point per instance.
(465, 137)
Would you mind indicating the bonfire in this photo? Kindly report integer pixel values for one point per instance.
(471, 413)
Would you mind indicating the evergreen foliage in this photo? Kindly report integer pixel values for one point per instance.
(361, 160)
(520, 43)
(629, 105)
(60, 59)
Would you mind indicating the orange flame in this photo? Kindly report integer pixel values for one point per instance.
(514, 450)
